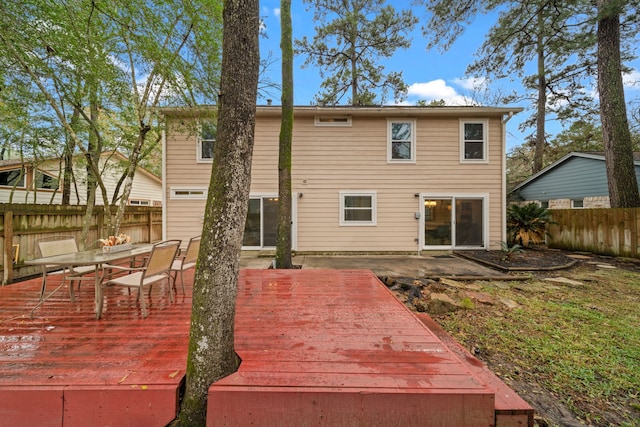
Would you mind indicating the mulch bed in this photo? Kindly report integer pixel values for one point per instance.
(527, 260)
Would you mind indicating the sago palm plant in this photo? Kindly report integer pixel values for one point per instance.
(527, 223)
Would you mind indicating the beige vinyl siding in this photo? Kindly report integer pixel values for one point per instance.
(330, 159)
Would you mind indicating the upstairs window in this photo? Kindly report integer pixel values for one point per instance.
(44, 181)
(401, 146)
(473, 141)
(12, 178)
(207, 142)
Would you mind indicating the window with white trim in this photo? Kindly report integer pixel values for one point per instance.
(45, 181)
(577, 203)
(401, 146)
(207, 141)
(358, 208)
(11, 178)
(473, 140)
(138, 202)
(188, 193)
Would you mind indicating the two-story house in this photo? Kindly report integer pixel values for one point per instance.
(392, 179)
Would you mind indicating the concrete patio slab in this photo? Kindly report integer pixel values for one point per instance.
(431, 266)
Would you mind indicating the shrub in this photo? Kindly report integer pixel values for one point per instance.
(527, 224)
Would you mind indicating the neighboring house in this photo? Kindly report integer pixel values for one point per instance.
(578, 180)
(40, 182)
(365, 179)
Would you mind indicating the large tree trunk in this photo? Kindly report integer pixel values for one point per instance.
(283, 244)
(211, 342)
(93, 158)
(618, 148)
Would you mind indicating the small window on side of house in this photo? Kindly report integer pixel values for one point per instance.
(332, 120)
(544, 204)
(401, 144)
(189, 193)
(577, 203)
(473, 141)
(206, 142)
(44, 181)
(358, 208)
(11, 178)
(138, 202)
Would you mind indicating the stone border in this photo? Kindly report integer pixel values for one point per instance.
(503, 268)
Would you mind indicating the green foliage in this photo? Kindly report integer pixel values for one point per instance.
(510, 251)
(467, 304)
(580, 136)
(350, 41)
(527, 224)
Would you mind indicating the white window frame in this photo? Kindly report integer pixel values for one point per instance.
(390, 158)
(139, 202)
(199, 158)
(188, 193)
(374, 216)
(333, 121)
(573, 203)
(485, 140)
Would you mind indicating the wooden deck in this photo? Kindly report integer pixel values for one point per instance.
(318, 347)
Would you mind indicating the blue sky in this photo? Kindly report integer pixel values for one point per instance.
(431, 75)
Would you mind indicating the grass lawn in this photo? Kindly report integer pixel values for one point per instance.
(571, 350)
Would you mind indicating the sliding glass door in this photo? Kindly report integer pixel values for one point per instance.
(262, 220)
(453, 222)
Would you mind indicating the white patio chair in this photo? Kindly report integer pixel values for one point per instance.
(186, 261)
(156, 269)
(60, 245)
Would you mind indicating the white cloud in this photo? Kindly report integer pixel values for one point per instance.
(632, 79)
(474, 83)
(436, 90)
(276, 12)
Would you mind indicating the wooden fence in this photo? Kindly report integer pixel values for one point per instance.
(22, 225)
(601, 231)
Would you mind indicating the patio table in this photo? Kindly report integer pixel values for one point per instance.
(95, 257)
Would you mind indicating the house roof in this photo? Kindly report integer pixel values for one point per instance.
(594, 155)
(385, 110)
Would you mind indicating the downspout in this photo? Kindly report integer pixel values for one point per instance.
(164, 182)
(504, 175)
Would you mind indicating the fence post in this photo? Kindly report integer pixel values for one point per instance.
(100, 224)
(8, 249)
(150, 216)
